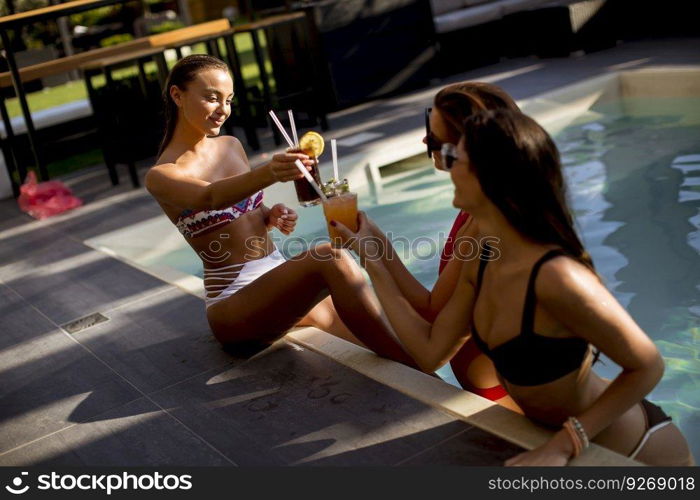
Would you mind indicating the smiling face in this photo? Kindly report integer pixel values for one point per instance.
(468, 193)
(205, 103)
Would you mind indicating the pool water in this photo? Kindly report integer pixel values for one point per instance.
(633, 171)
(634, 182)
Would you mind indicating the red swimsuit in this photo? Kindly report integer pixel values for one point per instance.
(470, 351)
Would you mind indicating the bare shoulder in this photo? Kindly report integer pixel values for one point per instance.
(574, 295)
(565, 280)
(231, 147)
(157, 173)
(231, 142)
(165, 168)
(470, 229)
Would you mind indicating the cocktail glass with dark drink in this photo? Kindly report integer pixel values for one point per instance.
(306, 194)
(311, 144)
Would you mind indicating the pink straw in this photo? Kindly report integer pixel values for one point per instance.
(293, 127)
(281, 128)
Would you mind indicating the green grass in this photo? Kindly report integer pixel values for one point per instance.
(49, 97)
(74, 91)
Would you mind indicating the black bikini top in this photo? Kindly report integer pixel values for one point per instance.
(530, 358)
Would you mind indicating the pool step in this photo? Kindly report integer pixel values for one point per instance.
(410, 185)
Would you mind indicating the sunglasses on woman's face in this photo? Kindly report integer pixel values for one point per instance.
(449, 155)
(431, 141)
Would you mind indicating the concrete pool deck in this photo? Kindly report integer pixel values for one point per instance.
(152, 387)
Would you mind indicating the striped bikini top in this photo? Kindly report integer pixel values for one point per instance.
(193, 223)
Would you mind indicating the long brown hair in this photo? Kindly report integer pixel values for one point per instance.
(180, 75)
(519, 169)
(459, 101)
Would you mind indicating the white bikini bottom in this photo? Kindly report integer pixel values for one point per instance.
(222, 282)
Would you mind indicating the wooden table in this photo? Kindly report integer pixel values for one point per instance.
(16, 21)
(105, 66)
(136, 50)
(15, 77)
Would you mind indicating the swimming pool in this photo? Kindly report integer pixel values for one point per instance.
(633, 171)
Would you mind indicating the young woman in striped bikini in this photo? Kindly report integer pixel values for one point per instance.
(207, 189)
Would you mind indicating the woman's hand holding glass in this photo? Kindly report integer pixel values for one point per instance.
(368, 242)
(282, 167)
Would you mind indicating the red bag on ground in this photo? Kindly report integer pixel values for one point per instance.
(44, 199)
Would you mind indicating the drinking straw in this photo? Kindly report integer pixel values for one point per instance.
(298, 163)
(293, 126)
(334, 150)
(281, 128)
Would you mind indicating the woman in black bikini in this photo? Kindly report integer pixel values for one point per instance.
(534, 303)
(452, 104)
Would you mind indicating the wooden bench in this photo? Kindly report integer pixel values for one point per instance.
(190, 32)
(69, 63)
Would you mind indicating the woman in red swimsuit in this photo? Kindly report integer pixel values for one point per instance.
(454, 103)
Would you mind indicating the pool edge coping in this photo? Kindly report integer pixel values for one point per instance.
(438, 394)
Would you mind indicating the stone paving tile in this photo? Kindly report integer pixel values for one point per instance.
(66, 280)
(161, 340)
(472, 447)
(21, 244)
(11, 215)
(48, 381)
(93, 184)
(136, 434)
(113, 217)
(290, 406)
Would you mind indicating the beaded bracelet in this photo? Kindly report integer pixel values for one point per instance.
(580, 431)
(575, 440)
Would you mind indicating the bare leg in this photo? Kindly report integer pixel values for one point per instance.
(281, 298)
(325, 317)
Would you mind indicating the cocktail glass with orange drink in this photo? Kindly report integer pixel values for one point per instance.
(340, 206)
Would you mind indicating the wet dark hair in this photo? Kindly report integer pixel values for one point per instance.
(519, 169)
(459, 101)
(180, 75)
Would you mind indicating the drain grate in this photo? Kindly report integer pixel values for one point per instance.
(81, 324)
